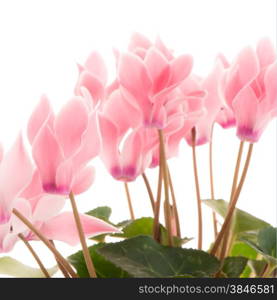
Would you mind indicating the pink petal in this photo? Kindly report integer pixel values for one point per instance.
(248, 65)
(165, 51)
(159, 116)
(245, 108)
(70, 124)
(8, 243)
(111, 88)
(92, 84)
(42, 113)
(223, 60)
(110, 143)
(48, 206)
(266, 52)
(190, 85)
(138, 41)
(134, 76)
(158, 69)
(96, 66)
(180, 68)
(1, 153)
(87, 98)
(63, 228)
(118, 109)
(210, 84)
(15, 171)
(83, 180)
(131, 156)
(47, 155)
(225, 117)
(64, 177)
(90, 143)
(34, 188)
(271, 86)
(24, 207)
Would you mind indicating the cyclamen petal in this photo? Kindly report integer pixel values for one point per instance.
(96, 65)
(158, 68)
(63, 228)
(92, 84)
(133, 75)
(34, 188)
(83, 180)
(266, 52)
(138, 40)
(11, 182)
(90, 143)
(70, 124)
(245, 108)
(24, 207)
(131, 156)
(119, 109)
(48, 156)
(271, 86)
(42, 113)
(110, 143)
(180, 68)
(47, 207)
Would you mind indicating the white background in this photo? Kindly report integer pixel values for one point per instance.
(41, 41)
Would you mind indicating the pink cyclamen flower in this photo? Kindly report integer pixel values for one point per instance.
(15, 174)
(225, 117)
(129, 162)
(139, 44)
(62, 146)
(249, 88)
(212, 101)
(93, 77)
(125, 147)
(188, 109)
(21, 188)
(148, 79)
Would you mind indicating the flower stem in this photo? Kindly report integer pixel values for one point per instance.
(233, 202)
(131, 210)
(175, 210)
(61, 267)
(225, 240)
(166, 189)
(212, 181)
(266, 271)
(47, 243)
(156, 224)
(197, 188)
(87, 257)
(149, 190)
(30, 248)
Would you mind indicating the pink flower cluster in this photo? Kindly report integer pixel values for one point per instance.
(153, 90)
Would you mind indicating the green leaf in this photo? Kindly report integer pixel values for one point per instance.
(144, 226)
(123, 223)
(266, 244)
(101, 212)
(243, 221)
(267, 240)
(12, 267)
(233, 266)
(242, 249)
(257, 266)
(104, 268)
(141, 256)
